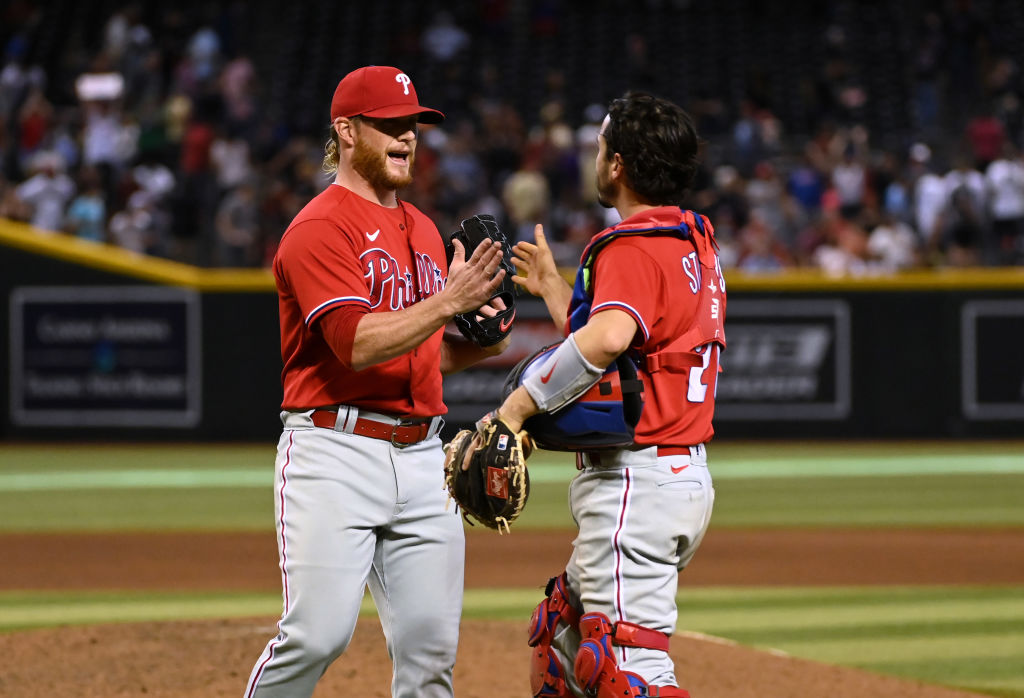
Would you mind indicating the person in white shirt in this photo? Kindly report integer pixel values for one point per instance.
(47, 192)
(966, 228)
(1004, 178)
(892, 245)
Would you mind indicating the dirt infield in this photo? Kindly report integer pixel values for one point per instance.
(193, 659)
(202, 660)
(248, 561)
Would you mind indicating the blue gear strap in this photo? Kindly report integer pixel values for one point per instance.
(596, 668)
(547, 675)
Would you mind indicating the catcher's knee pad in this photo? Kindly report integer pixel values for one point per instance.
(547, 675)
(596, 668)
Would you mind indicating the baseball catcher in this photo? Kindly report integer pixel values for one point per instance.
(485, 472)
(485, 331)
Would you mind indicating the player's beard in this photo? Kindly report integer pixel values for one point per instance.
(372, 165)
(605, 188)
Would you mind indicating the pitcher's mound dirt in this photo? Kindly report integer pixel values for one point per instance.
(208, 659)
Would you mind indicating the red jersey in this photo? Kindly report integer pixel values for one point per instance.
(342, 250)
(673, 287)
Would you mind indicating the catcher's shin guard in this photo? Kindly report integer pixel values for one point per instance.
(547, 675)
(596, 668)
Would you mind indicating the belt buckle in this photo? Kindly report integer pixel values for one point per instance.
(394, 432)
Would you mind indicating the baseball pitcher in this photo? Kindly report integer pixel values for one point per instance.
(365, 288)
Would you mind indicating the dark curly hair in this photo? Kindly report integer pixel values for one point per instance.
(658, 144)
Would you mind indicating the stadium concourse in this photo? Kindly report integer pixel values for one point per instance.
(849, 138)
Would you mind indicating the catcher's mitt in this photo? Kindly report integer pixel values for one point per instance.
(494, 488)
(486, 331)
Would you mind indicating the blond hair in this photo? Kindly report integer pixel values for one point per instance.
(332, 155)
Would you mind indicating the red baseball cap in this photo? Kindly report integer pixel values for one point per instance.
(381, 92)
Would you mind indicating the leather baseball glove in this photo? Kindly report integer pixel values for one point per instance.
(494, 488)
(486, 331)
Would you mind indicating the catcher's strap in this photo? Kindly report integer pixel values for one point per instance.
(493, 489)
(547, 674)
(486, 331)
(597, 669)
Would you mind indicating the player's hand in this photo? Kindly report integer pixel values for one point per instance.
(495, 306)
(472, 282)
(474, 445)
(534, 263)
(490, 309)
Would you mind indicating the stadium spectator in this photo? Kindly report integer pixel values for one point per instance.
(893, 245)
(986, 135)
(87, 215)
(849, 178)
(929, 197)
(142, 226)
(47, 192)
(843, 250)
(760, 250)
(965, 229)
(237, 225)
(1005, 181)
(182, 104)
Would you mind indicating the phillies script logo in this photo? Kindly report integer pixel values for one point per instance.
(399, 287)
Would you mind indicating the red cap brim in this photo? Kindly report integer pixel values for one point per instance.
(426, 116)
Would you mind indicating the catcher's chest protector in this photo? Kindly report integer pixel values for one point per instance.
(703, 273)
(603, 417)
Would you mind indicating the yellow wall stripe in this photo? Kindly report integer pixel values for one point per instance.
(111, 258)
(117, 260)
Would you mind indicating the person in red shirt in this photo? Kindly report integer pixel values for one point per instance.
(650, 287)
(365, 292)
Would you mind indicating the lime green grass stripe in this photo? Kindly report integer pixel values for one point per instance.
(135, 479)
(45, 467)
(717, 611)
(910, 629)
(849, 616)
(541, 472)
(24, 611)
(1008, 646)
(706, 598)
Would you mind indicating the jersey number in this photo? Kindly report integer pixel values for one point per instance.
(697, 390)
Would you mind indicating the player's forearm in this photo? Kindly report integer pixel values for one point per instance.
(557, 295)
(517, 408)
(380, 337)
(458, 353)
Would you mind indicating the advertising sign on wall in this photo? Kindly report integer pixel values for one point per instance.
(786, 360)
(992, 359)
(104, 356)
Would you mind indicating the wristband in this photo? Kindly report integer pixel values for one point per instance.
(562, 378)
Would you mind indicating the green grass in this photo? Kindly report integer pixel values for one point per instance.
(190, 487)
(968, 637)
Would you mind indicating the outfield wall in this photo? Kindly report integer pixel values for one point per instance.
(102, 344)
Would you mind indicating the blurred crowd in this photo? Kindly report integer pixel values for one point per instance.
(164, 145)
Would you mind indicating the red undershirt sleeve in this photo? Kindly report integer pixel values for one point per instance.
(338, 328)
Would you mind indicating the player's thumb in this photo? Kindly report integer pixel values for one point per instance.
(459, 255)
(539, 237)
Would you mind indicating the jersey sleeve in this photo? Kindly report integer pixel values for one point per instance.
(319, 266)
(627, 279)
